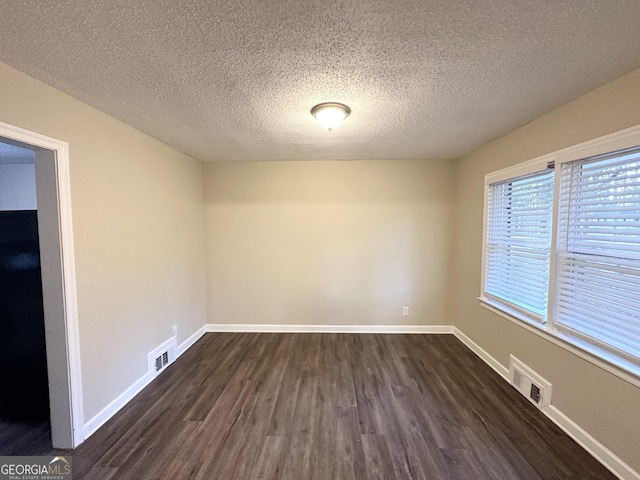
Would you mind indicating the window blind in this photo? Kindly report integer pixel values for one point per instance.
(597, 293)
(518, 241)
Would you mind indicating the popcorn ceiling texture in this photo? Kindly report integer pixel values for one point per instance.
(236, 79)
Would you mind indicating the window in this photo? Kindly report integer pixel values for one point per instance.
(575, 277)
(519, 243)
(597, 296)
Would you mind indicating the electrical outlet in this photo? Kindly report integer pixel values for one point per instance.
(405, 310)
(175, 330)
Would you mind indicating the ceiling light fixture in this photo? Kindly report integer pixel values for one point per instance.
(330, 114)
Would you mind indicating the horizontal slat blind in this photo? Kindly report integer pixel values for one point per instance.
(597, 297)
(518, 242)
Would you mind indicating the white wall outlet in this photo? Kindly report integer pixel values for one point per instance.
(174, 329)
(405, 311)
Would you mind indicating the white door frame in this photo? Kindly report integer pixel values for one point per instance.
(66, 407)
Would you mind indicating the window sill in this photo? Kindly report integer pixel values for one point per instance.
(600, 358)
(510, 313)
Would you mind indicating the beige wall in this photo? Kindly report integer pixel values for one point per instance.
(138, 232)
(328, 243)
(604, 405)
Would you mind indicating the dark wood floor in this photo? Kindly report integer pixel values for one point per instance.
(24, 437)
(331, 406)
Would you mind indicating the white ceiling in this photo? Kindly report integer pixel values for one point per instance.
(236, 79)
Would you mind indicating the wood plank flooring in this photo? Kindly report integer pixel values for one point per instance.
(330, 406)
(24, 437)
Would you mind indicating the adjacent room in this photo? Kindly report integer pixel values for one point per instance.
(341, 240)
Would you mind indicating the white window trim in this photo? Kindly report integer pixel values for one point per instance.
(620, 140)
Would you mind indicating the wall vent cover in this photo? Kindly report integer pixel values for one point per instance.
(535, 394)
(162, 356)
(162, 361)
(517, 379)
(529, 383)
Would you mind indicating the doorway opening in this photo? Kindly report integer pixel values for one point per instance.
(38, 308)
(24, 402)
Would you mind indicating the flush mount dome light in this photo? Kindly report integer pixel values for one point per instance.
(330, 114)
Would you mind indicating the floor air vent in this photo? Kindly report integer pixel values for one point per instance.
(162, 356)
(531, 385)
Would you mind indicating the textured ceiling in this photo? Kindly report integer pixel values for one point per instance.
(235, 79)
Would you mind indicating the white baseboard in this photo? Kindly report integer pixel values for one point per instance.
(120, 401)
(257, 328)
(188, 343)
(598, 451)
(125, 397)
(483, 354)
(601, 453)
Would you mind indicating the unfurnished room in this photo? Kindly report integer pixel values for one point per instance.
(342, 240)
